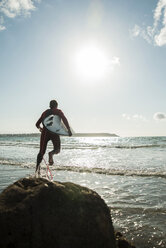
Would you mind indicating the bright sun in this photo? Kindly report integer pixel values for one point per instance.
(91, 63)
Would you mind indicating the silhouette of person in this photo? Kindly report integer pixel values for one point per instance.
(47, 135)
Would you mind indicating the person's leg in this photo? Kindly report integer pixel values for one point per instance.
(43, 145)
(57, 146)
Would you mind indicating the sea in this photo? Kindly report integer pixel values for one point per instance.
(129, 173)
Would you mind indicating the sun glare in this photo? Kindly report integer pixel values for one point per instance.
(91, 63)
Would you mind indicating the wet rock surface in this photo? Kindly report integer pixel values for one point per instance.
(41, 214)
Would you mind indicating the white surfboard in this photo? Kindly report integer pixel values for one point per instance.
(54, 124)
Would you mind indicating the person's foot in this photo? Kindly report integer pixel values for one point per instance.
(50, 161)
(37, 172)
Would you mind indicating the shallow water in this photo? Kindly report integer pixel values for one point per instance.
(128, 173)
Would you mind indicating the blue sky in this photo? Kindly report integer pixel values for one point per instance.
(103, 61)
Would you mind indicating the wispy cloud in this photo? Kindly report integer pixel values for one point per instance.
(159, 116)
(156, 33)
(134, 117)
(2, 27)
(115, 61)
(14, 8)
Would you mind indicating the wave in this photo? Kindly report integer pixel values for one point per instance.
(134, 146)
(20, 144)
(32, 141)
(139, 146)
(15, 163)
(77, 146)
(20, 135)
(136, 210)
(112, 171)
(79, 169)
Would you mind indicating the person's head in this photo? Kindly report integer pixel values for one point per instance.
(53, 104)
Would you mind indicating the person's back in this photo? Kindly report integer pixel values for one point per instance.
(47, 135)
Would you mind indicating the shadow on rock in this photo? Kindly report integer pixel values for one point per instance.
(36, 213)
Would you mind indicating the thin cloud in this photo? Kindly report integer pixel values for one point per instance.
(115, 61)
(2, 27)
(14, 8)
(134, 117)
(126, 116)
(112, 63)
(159, 116)
(155, 34)
(144, 33)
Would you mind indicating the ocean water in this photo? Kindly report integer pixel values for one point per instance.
(129, 173)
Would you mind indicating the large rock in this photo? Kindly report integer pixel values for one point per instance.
(36, 213)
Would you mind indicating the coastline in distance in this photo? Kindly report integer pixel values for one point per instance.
(95, 135)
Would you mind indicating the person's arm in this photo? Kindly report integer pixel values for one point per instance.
(65, 121)
(39, 122)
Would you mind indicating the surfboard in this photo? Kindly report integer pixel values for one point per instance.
(54, 124)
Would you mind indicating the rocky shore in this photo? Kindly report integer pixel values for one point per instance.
(37, 213)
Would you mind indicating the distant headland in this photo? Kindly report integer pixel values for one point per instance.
(95, 135)
(74, 134)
